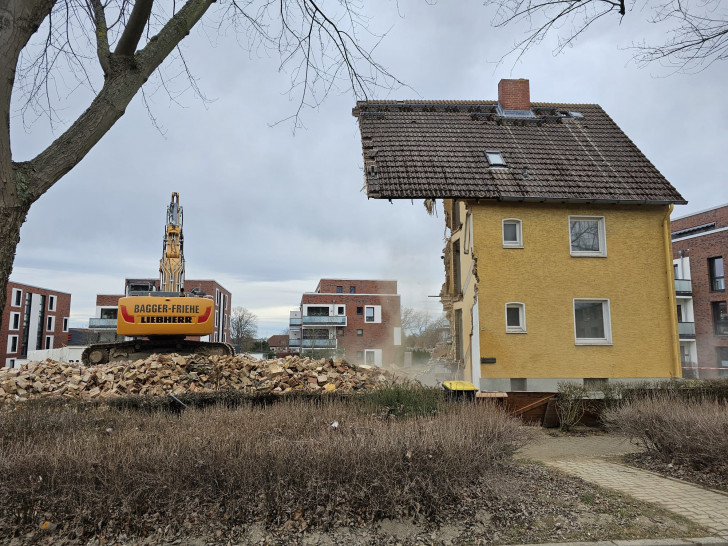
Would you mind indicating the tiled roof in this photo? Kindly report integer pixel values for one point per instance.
(278, 340)
(435, 149)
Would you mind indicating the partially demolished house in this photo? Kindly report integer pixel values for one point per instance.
(558, 264)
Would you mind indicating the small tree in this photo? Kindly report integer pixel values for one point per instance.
(420, 328)
(243, 328)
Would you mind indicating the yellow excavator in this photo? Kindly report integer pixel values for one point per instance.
(159, 320)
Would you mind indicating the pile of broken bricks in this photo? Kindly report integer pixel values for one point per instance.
(175, 374)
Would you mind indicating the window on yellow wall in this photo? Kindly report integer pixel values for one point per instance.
(515, 318)
(512, 233)
(592, 322)
(587, 236)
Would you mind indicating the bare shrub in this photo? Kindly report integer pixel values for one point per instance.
(677, 430)
(319, 462)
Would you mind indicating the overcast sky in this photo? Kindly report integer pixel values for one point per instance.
(268, 212)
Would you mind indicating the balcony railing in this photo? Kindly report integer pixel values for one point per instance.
(295, 321)
(325, 321)
(318, 343)
(717, 284)
(683, 286)
(294, 342)
(686, 329)
(102, 323)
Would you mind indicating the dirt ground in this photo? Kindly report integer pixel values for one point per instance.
(584, 443)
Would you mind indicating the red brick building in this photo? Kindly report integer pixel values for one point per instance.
(358, 320)
(700, 251)
(33, 318)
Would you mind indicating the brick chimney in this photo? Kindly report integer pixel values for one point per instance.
(514, 94)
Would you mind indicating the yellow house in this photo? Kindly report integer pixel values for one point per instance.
(558, 264)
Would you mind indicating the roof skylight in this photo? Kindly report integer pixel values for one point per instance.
(495, 158)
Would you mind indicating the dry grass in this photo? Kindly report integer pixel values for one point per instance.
(689, 432)
(320, 463)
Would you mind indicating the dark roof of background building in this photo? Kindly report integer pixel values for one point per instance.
(278, 340)
(564, 152)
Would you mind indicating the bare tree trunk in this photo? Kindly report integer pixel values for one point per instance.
(11, 219)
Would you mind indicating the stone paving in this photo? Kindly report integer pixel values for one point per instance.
(582, 456)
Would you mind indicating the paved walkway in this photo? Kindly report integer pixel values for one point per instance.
(582, 456)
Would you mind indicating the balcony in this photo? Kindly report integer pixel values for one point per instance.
(294, 342)
(318, 343)
(717, 284)
(683, 287)
(325, 321)
(295, 321)
(686, 329)
(102, 323)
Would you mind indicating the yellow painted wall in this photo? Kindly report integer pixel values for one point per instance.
(635, 276)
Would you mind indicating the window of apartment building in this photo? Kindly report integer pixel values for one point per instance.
(109, 313)
(339, 289)
(720, 318)
(17, 297)
(587, 235)
(50, 323)
(360, 354)
(51, 303)
(340, 310)
(717, 278)
(369, 357)
(679, 313)
(12, 344)
(369, 316)
(339, 331)
(722, 360)
(592, 325)
(317, 311)
(9, 362)
(515, 318)
(352, 290)
(14, 321)
(359, 332)
(65, 324)
(359, 310)
(217, 318)
(49, 342)
(512, 235)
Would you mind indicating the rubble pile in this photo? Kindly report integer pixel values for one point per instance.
(164, 374)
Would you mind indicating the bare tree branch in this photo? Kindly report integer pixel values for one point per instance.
(698, 38)
(102, 36)
(134, 28)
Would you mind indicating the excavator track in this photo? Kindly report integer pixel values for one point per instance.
(103, 353)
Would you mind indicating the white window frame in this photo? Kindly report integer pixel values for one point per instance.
(10, 344)
(13, 316)
(601, 225)
(606, 317)
(217, 318)
(15, 297)
(518, 243)
(51, 303)
(9, 362)
(48, 342)
(50, 323)
(65, 324)
(521, 328)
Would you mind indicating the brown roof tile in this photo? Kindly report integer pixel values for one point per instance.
(435, 149)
